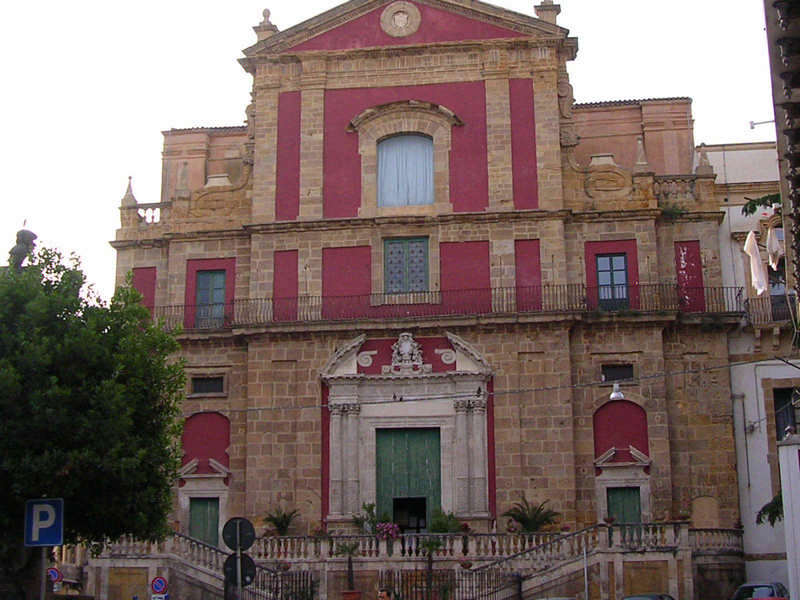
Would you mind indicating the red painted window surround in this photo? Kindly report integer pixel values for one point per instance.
(620, 424)
(206, 435)
(285, 285)
(207, 264)
(469, 179)
(528, 273)
(144, 282)
(626, 247)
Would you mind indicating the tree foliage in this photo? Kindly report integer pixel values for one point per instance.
(769, 201)
(88, 408)
(772, 511)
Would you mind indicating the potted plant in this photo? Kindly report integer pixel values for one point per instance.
(349, 549)
(531, 517)
(281, 520)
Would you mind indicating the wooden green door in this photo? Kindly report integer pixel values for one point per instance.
(624, 504)
(408, 468)
(204, 520)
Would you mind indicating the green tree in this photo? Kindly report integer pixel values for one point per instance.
(88, 411)
(772, 511)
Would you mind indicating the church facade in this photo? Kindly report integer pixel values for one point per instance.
(422, 277)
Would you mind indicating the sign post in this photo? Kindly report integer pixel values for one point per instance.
(239, 534)
(44, 526)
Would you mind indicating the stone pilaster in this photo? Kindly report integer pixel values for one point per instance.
(548, 142)
(498, 130)
(312, 118)
(265, 155)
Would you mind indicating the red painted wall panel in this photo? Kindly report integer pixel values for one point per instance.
(206, 435)
(287, 185)
(465, 279)
(436, 26)
(689, 272)
(618, 424)
(469, 187)
(284, 285)
(144, 282)
(523, 145)
(346, 281)
(528, 272)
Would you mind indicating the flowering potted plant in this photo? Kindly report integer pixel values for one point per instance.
(465, 563)
(387, 530)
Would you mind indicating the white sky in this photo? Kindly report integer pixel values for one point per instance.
(88, 86)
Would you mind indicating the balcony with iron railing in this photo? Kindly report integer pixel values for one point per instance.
(539, 300)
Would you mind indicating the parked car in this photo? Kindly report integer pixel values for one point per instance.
(649, 597)
(752, 590)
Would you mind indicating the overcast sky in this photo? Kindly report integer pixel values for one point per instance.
(89, 85)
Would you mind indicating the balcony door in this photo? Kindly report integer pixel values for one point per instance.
(612, 281)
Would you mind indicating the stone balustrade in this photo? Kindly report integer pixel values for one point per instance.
(477, 548)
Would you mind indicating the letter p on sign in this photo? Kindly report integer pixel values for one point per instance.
(44, 522)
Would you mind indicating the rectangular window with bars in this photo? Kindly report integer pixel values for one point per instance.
(405, 265)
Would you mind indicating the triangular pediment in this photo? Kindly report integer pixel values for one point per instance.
(360, 24)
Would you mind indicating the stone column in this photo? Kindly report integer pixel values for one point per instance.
(461, 458)
(336, 457)
(479, 498)
(351, 496)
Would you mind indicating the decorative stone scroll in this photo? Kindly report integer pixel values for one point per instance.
(406, 357)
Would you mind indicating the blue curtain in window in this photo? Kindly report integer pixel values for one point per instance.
(405, 171)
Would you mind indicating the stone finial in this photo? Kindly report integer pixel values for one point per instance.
(547, 11)
(265, 28)
(641, 166)
(703, 164)
(129, 199)
(21, 249)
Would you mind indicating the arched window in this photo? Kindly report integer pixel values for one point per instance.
(405, 170)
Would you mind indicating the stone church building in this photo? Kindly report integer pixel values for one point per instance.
(422, 276)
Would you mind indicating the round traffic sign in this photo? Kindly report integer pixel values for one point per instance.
(55, 575)
(158, 585)
(248, 569)
(238, 533)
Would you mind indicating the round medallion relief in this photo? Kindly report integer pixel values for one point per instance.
(400, 19)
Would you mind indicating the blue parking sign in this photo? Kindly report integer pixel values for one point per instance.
(44, 522)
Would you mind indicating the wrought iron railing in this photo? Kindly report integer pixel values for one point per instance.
(545, 299)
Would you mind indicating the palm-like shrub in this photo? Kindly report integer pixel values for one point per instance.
(531, 517)
(281, 520)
